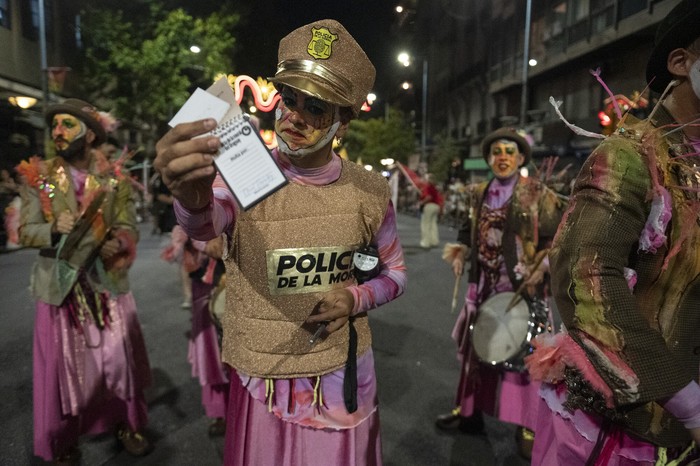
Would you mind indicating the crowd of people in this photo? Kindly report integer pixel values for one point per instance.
(287, 372)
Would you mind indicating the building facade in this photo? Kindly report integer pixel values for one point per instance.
(475, 80)
(25, 82)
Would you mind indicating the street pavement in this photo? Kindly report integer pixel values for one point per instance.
(414, 354)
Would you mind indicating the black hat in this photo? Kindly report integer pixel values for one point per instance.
(511, 135)
(84, 112)
(677, 30)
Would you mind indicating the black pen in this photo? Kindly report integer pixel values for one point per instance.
(314, 338)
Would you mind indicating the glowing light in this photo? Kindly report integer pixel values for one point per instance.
(265, 96)
(371, 97)
(252, 109)
(22, 101)
(405, 85)
(532, 62)
(195, 49)
(368, 168)
(268, 137)
(524, 172)
(387, 161)
(604, 118)
(399, 9)
(404, 59)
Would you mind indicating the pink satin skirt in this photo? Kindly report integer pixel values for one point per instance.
(88, 381)
(204, 354)
(255, 436)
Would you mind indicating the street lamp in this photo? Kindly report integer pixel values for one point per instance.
(405, 59)
(526, 58)
(22, 101)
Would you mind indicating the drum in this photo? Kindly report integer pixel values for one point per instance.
(502, 338)
(217, 304)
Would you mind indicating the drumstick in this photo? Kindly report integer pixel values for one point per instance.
(454, 294)
(518, 294)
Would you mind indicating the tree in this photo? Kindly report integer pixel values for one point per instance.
(138, 63)
(378, 138)
(445, 153)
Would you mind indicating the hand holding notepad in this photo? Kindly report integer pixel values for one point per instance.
(244, 162)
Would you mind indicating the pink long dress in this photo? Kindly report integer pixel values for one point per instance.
(87, 381)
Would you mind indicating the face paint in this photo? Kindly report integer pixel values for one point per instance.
(314, 112)
(304, 124)
(68, 134)
(65, 129)
(505, 158)
(300, 152)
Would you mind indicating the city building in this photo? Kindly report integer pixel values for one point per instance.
(475, 80)
(27, 80)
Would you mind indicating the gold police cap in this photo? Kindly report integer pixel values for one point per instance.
(323, 60)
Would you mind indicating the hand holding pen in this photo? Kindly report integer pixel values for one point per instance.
(334, 309)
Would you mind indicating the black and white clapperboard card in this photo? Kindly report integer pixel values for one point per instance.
(244, 162)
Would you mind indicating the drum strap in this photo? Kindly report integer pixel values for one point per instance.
(350, 380)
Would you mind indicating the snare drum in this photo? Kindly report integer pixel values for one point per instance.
(502, 338)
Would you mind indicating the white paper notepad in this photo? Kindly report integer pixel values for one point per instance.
(244, 162)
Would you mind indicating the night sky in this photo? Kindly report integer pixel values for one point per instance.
(369, 21)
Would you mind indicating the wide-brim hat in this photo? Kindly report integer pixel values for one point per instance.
(678, 29)
(511, 135)
(82, 110)
(323, 60)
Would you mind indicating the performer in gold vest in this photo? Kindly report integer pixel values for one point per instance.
(289, 264)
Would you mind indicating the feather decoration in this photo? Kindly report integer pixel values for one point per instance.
(616, 106)
(580, 131)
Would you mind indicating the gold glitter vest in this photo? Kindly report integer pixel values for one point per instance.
(286, 252)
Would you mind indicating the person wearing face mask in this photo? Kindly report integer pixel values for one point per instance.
(622, 378)
(511, 221)
(289, 264)
(89, 358)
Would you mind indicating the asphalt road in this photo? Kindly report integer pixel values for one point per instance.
(415, 362)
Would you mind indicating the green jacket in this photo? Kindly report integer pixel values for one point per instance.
(654, 326)
(50, 281)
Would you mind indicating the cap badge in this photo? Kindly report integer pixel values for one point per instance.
(320, 45)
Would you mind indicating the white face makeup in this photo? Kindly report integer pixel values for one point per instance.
(304, 124)
(505, 158)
